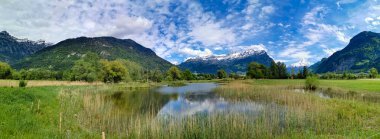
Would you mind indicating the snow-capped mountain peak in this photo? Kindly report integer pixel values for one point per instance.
(301, 63)
(235, 55)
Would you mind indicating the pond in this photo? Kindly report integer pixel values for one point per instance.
(199, 99)
(184, 101)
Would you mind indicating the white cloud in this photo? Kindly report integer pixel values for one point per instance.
(200, 53)
(330, 51)
(211, 34)
(368, 20)
(247, 26)
(258, 47)
(266, 10)
(340, 2)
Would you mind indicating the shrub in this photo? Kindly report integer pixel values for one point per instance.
(5, 71)
(311, 82)
(22, 83)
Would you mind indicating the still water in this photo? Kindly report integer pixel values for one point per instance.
(199, 98)
(184, 101)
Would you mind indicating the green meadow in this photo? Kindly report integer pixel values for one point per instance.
(132, 111)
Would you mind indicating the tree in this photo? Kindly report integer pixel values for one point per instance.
(221, 74)
(5, 71)
(187, 75)
(83, 71)
(256, 70)
(113, 71)
(293, 73)
(305, 72)
(135, 70)
(274, 73)
(87, 68)
(174, 73)
(282, 71)
(156, 76)
(373, 73)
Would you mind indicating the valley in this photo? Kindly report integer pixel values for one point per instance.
(93, 87)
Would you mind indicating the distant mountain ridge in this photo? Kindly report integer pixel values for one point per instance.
(361, 54)
(234, 62)
(13, 49)
(62, 55)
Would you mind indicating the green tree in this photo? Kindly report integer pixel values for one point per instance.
(282, 71)
(373, 72)
(293, 73)
(305, 72)
(87, 68)
(156, 76)
(274, 73)
(187, 75)
(221, 74)
(83, 71)
(135, 70)
(256, 70)
(5, 71)
(113, 71)
(174, 73)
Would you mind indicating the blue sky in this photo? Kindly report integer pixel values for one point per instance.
(296, 32)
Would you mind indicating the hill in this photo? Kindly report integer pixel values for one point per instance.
(63, 55)
(361, 54)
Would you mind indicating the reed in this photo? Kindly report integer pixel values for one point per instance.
(285, 115)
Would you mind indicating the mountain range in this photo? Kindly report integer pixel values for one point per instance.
(361, 54)
(234, 62)
(13, 49)
(24, 54)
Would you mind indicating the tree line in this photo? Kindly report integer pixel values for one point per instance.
(274, 71)
(91, 68)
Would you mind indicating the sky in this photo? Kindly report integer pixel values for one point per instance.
(297, 32)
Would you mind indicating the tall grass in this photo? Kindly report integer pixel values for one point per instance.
(285, 115)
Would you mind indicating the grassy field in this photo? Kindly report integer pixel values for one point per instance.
(354, 85)
(85, 112)
(36, 83)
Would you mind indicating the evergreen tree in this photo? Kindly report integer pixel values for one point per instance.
(293, 74)
(274, 70)
(305, 72)
(282, 70)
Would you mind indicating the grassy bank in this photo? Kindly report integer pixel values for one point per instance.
(38, 83)
(309, 115)
(353, 85)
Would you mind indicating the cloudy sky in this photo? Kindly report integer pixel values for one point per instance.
(292, 31)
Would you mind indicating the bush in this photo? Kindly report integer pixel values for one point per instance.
(5, 71)
(311, 82)
(22, 83)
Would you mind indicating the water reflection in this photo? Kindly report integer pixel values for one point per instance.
(201, 88)
(199, 99)
(139, 101)
(178, 102)
(319, 93)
